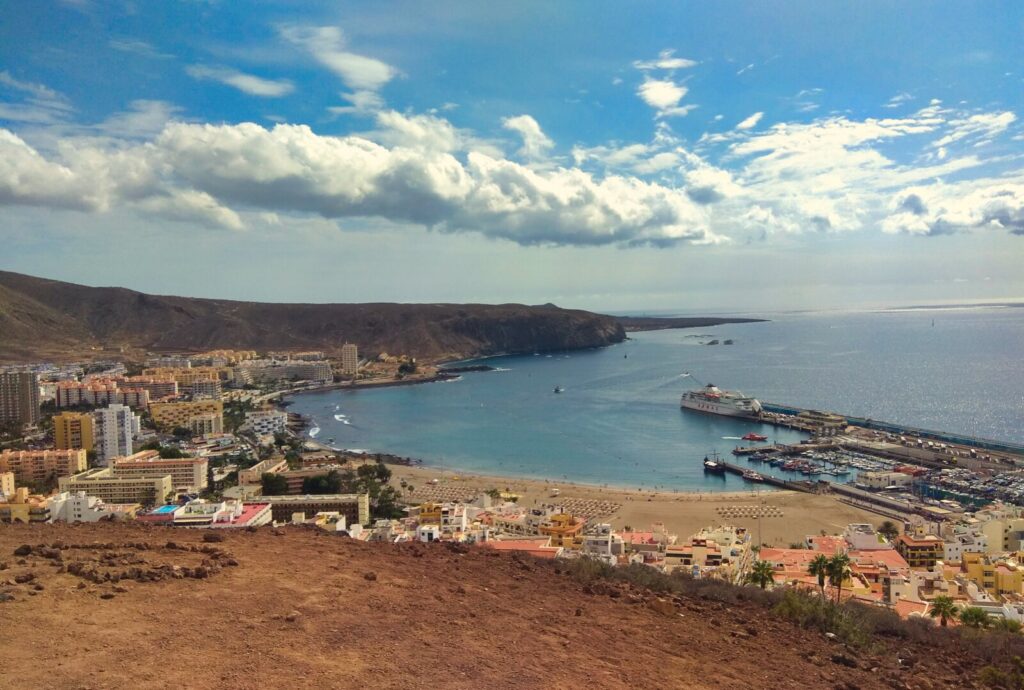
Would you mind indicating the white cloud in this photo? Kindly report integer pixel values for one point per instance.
(216, 173)
(246, 83)
(536, 144)
(664, 95)
(32, 102)
(898, 100)
(666, 60)
(137, 47)
(750, 122)
(327, 45)
(983, 125)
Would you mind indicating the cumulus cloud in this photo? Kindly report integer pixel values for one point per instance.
(664, 95)
(942, 209)
(536, 144)
(750, 122)
(246, 83)
(214, 173)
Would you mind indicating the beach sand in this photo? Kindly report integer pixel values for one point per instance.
(788, 516)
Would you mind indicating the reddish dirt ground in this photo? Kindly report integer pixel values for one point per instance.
(299, 608)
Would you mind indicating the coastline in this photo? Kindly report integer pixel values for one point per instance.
(788, 516)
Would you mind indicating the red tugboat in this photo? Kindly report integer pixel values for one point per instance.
(754, 437)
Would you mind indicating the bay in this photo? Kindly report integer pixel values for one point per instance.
(618, 420)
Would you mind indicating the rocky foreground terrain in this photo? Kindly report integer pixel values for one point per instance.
(131, 606)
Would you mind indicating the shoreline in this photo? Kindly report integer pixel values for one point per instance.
(787, 516)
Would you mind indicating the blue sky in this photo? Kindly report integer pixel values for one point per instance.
(602, 155)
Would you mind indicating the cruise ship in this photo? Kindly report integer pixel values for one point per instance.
(714, 401)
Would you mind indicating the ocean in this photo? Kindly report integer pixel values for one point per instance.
(618, 421)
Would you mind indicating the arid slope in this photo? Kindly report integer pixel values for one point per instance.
(299, 608)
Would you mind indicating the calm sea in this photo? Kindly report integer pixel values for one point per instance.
(618, 420)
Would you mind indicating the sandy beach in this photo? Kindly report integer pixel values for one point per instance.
(787, 516)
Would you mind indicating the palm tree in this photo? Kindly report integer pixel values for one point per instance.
(819, 568)
(944, 609)
(838, 569)
(761, 574)
(889, 530)
(975, 617)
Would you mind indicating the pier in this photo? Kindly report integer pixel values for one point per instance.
(875, 425)
(805, 486)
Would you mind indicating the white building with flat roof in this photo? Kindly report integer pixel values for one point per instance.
(114, 429)
(265, 422)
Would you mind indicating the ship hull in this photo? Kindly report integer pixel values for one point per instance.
(715, 408)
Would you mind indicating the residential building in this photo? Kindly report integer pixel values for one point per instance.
(920, 552)
(169, 362)
(349, 359)
(863, 537)
(168, 416)
(115, 428)
(355, 507)
(19, 397)
(964, 539)
(80, 507)
(600, 541)
(204, 389)
(207, 423)
(265, 422)
(1004, 529)
(6, 484)
(24, 507)
(564, 530)
(539, 548)
(273, 370)
(73, 430)
(187, 474)
(1000, 576)
(105, 483)
(99, 392)
(42, 465)
(158, 387)
(185, 377)
(252, 475)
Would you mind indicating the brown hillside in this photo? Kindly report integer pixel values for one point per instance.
(49, 318)
(298, 608)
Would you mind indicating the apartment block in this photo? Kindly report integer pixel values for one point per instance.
(265, 422)
(97, 393)
(158, 387)
(187, 474)
(355, 507)
(73, 430)
(920, 552)
(349, 359)
(116, 427)
(6, 484)
(104, 483)
(40, 465)
(204, 389)
(80, 507)
(19, 397)
(205, 424)
(186, 377)
(170, 415)
(24, 507)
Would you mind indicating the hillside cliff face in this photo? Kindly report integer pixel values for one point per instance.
(48, 318)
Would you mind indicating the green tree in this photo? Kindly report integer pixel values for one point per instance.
(1007, 625)
(889, 530)
(181, 432)
(761, 574)
(818, 567)
(975, 617)
(944, 609)
(838, 570)
(273, 484)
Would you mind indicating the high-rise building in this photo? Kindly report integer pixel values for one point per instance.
(73, 430)
(170, 415)
(19, 397)
(349, 359)
(114, 427)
